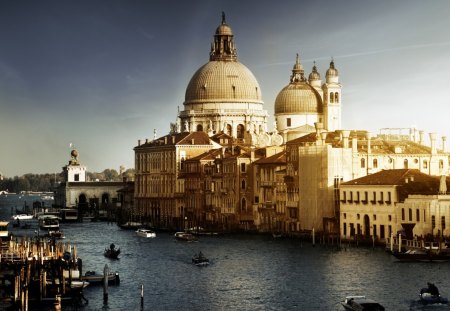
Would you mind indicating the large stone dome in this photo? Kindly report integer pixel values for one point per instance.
(223, 81)
(298, 98)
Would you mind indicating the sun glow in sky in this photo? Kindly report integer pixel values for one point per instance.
(103, 74)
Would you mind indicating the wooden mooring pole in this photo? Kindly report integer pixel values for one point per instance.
(105, 284)
(142, 297)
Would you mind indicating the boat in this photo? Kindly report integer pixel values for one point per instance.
(130, 225)
(423, 254)
(146, 233)
(184, 236)
(22, 217)
(430, 295)
(4, 233)
(361, 303)
(57, 234)
(49, 222)
(112, 252)
(97, 279)
(200, 260)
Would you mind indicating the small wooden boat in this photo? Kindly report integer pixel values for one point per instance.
(145, 233)
(112, 252)
(357, 303)
(200, 260)
(97, 279)
(184, 236)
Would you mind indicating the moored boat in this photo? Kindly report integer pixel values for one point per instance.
(423, 254)
(184, 236)
(358, 303)
(95, 279)
(22, 217)
(145, 233)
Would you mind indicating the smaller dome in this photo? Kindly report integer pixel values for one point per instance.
(314, 75)
(332, 72)
(224, 29)
(298, 98)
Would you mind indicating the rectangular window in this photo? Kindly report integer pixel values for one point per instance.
(433, 222)
(76, 177)
(443, 223)
(374, 200)
(417, 215)
(403, 214)
(374, 217)
(389, 200)
(345, 229)
(410, 214)
(243, 167)
(381, 231)
(374, 230)
(288, 122)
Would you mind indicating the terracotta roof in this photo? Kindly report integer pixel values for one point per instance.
(279, 158)
(194, 138)
(411, 181)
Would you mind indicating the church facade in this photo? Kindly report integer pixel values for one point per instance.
(220, 167)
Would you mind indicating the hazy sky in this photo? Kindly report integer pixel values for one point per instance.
(102, 74)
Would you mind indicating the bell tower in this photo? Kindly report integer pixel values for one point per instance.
(332, 99)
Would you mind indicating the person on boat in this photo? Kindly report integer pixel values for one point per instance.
(112, 246)
(432, 289)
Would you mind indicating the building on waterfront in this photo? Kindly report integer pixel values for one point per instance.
(390, 201)
(214, 167)
(90, 198)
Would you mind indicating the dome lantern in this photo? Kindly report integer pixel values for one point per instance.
(223, 46)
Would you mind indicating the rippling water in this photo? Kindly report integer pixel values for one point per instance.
(247, 272)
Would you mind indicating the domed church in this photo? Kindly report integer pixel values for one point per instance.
(304, 102)
(223, 95)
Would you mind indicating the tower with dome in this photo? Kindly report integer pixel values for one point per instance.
(304, 102)
(223, 95)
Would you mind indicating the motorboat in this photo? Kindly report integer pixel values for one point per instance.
(49, 222)
(112, 252)
(361, 303)
(145, 233)
(431, 295)
(22, 217)
(200, 260)
(423, 254)
(95, 278)
(185, 236)
(4, 233)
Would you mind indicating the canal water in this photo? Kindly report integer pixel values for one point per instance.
(247, 272)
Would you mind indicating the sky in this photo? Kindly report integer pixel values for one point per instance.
(102, 74)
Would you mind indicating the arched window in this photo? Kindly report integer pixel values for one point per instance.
(228, 129)
(199, 128)
(240, 131)
(375, 163)
(363, 163)
(405, 163)
(441, 164)
(243, 205)
(243, 184)
(336, 97)
(331, 97)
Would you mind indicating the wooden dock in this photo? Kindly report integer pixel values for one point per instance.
(38, 270)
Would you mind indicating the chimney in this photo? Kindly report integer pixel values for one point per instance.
(139, 142)
(173, 139)
(165, 140)
(433, 143)
(369, 140)
(444, 143)
(146, 140)
(345, 135)
(421, 133)
(355, 143)
(319, 128)
(193, 141)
